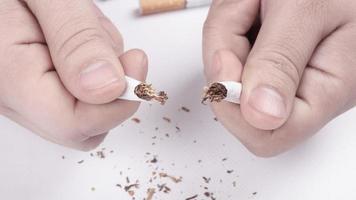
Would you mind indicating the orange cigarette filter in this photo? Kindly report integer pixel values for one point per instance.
(156, 6)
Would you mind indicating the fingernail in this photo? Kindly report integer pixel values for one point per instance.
(267, 100)
(98, 75)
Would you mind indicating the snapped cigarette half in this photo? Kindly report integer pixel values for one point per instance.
(143, 92)
(227, 90)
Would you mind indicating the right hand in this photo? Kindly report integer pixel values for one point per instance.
(298, 74)
(62, 67)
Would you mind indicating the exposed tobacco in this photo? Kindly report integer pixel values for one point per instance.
(146, 92)
(216, 92)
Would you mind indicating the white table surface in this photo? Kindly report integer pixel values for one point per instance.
(33, 169)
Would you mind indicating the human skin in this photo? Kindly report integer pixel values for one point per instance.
(62, 66)
(298, 75)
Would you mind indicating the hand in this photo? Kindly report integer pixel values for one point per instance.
(62, 67)
(298, 74)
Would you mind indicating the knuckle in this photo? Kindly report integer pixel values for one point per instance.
(312, 7)
(283, 67)
(74, 35)
(112, 31)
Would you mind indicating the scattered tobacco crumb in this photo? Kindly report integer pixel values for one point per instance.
(224, 159)
(207, 194)
(163, 188)
(167, 119)
(216, 92)
(129, 187)
(63, 157)
(80, 162)
(185, 109)
(178, 129)
(216, 119)
(206, 180)
(131, 193)
(150, 193)
(255, 193)
(100, 154)
(174, 179)
(230, 171)
(136, 120)
(154, 160)
(192, 197)
(119, 185)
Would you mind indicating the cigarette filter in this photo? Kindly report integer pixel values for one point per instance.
(156, 6)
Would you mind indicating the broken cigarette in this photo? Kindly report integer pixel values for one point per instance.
(143, 92)
(227, 90)
(157, 6)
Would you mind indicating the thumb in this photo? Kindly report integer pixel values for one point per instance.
(276, 63)
(82, 54)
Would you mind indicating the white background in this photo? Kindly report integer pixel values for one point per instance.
(30, 168)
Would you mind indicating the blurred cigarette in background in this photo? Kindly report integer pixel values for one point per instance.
(157, 6)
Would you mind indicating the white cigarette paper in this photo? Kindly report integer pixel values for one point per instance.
(129, 93)
(197, 3)
(233, 91)
(223, 91)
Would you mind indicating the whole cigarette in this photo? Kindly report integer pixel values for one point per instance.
(156, 6)
(226, 90)
(142, 92)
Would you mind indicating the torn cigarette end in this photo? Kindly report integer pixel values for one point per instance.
(216, 92)
(146, 92)
(139, 91)
(228, 90)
